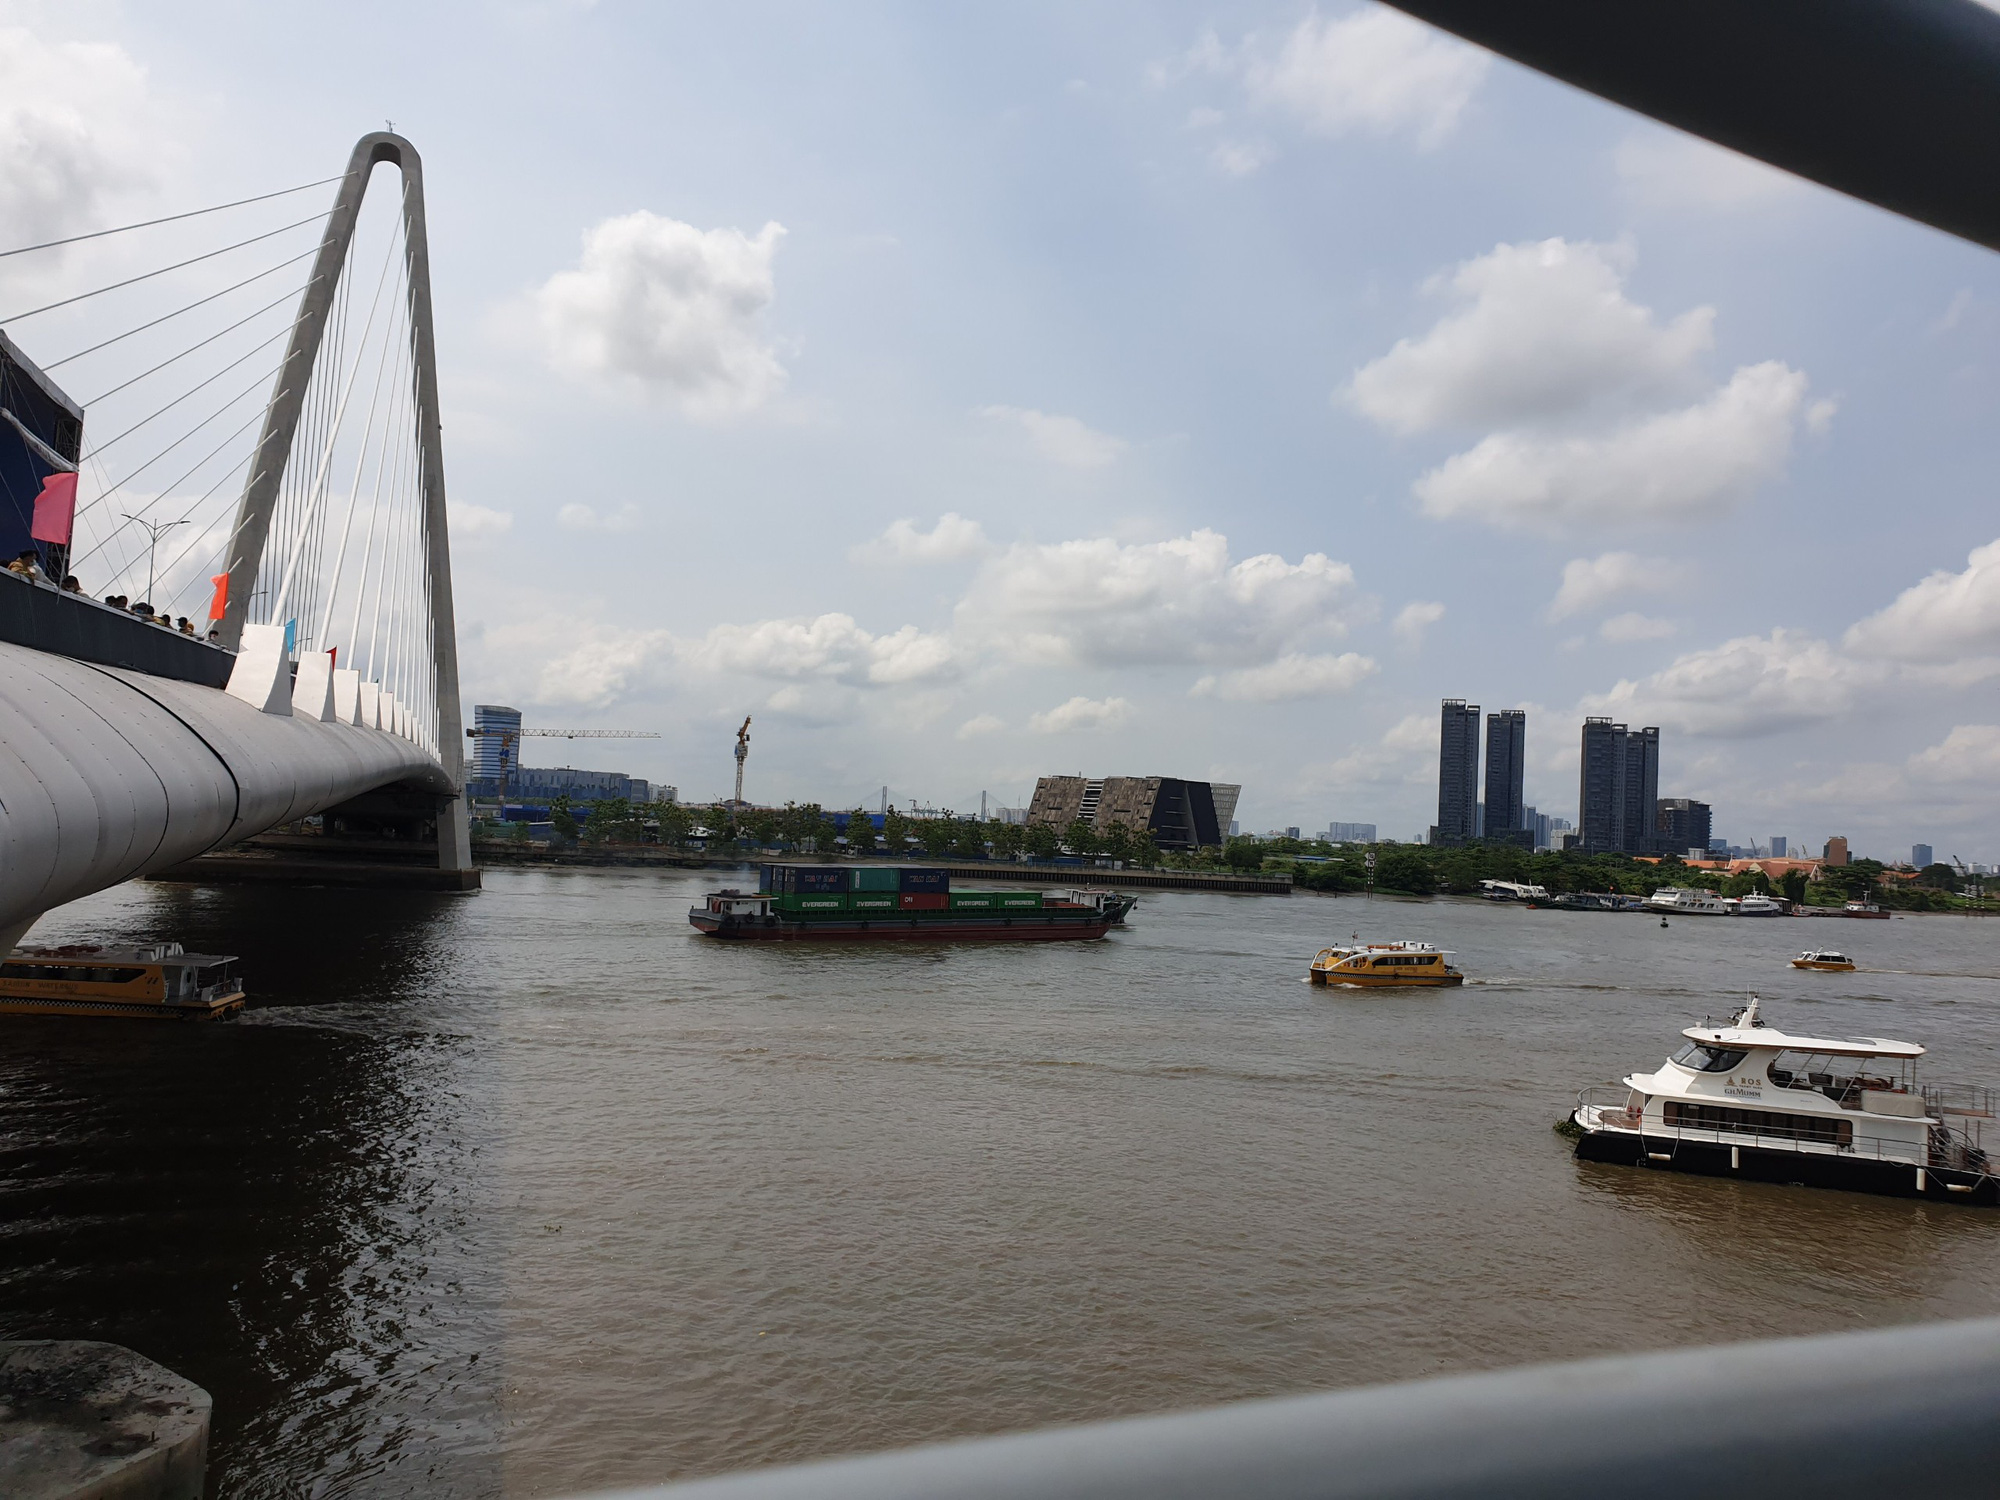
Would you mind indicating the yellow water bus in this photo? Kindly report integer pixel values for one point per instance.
(162, 981)
(1825, 959)
(1385, 966)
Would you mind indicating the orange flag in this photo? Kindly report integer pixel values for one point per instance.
(220, 602)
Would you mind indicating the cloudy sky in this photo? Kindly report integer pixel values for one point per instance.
(1161, 389)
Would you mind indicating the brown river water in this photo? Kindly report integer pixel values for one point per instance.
(537, 1192)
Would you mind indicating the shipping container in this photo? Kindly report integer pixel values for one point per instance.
(827, 901)
(974, 901)
(878, 878)
(930, 882)
(820, 881)
(872, 901)
(923, 900)
(1013, 901)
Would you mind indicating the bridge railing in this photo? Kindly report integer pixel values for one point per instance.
(1903, 1411)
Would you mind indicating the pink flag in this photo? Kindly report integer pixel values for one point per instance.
(220, 603)
(55, 508)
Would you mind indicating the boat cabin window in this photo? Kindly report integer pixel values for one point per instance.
(72, 973)
(1403, 960)
(1706, 1059)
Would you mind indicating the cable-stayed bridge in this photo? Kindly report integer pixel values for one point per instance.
(237, 608)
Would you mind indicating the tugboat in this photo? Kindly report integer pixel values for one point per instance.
(876, 904)
(1385, 966)
(160, 982)
(1826, 959)
(1746, 1100)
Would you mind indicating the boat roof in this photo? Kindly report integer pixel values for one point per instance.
(1770, 1038)
(155, 953)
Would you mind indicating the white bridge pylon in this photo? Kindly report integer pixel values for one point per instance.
(335, 595)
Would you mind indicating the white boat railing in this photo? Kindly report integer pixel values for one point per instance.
(1946, 1145)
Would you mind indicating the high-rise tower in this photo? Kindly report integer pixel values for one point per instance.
(1642, 789)
(1506, 771)
(1458, 772)
(1600, 797)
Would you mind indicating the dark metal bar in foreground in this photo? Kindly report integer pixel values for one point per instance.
(1895, 104)
(1902, 1411)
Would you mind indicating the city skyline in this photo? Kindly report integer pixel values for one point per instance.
(1072, 385)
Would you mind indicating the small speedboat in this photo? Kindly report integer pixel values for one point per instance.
(1385, 966)
(1746, 1100)
(1824, 959)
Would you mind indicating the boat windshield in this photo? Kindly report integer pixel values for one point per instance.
(1706, 1059)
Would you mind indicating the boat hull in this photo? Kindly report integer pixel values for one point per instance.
(1853, 1174)
(1823, 968)
(138, 1010)
(1361, 981)
(942, 927)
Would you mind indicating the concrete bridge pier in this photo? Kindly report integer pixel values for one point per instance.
(81, 1420)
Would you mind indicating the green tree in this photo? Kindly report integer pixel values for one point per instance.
(1939, 877)
(1146, 850)
(675, 821)
(561, 819)
(1114, 841)
(1243, 854)
(969, 839)
(936, 835)
(610, 822)
(860, 832)
(1006, 839)
(1402, 869)
(1081, 838)
(1041, 842)
(1793, 884)
(896, 832)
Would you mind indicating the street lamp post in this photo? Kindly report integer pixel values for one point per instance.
(154, 531)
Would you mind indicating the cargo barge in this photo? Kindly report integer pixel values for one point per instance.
(876, 903)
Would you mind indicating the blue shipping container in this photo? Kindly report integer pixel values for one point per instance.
(820, 882)
(927, 882)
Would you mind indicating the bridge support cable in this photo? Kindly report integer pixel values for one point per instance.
(277, 565)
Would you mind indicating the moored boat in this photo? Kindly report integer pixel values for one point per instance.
(1825, 959)
(1385, 966)
(158, 982)
(886, 903)
(1747, 1100)
(1689, 901)
(1755, 904)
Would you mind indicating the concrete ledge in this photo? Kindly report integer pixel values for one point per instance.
(81, 1420)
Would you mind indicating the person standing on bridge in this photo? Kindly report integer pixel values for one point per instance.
(28, 565)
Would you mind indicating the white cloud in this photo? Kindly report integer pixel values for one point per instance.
(1082, 713)
(981, 724)
(1753, 685)
(1239, 158)
(1416, 617)
(73, 132)
(592, 665)
(1672, 172)
(579, 517)
(1969, 756)
(1681, 465)
(952, 539)
(1945, 617)
(470, 522)
(669, 308)
(1589, 583)
(1060, 440)
(1406, 755)
(1372, 72)
(1547, 332)
(1293, 675)
(1100, 602)
(830, 646)
(1634, 626)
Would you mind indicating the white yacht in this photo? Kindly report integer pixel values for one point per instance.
(1755, 905)
(1686, 901)
(1748, 1100)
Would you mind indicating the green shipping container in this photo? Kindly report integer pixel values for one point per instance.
(975, 901)
(1029, 902)
(819, 902)
(869, 901)
(885, 878)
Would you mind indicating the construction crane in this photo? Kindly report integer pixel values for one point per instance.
(508, 737)
(742, 754)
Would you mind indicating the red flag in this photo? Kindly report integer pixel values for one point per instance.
(220, 602)
(55, 508)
